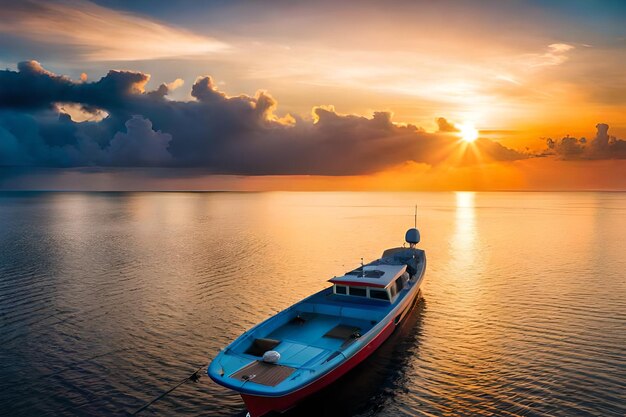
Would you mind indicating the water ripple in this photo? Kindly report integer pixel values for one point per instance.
(107, 300)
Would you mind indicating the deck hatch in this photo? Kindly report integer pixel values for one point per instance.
(260, 346)
(263, 373)
(342, 332)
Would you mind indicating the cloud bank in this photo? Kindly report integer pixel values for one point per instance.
(214, 132)
(602, 146)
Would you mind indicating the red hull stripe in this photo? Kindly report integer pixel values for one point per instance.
(258, 405)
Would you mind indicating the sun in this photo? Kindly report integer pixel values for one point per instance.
(468, 132)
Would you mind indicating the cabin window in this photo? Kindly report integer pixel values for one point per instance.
(359, 292)
(341, 289)
(379, 294)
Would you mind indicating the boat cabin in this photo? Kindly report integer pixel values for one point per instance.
(378, 282)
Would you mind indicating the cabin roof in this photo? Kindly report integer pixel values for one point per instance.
(371, 276)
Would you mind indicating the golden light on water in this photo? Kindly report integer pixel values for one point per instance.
(464, 238)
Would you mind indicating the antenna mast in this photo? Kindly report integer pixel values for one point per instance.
(416, 216)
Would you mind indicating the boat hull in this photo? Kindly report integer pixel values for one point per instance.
(261, 405)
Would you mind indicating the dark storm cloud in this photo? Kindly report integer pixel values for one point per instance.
(32, 87)
(214, 132)
(602, 146)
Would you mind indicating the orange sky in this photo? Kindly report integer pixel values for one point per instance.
(519, 72)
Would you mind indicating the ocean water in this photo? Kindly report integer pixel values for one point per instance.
(109, 299)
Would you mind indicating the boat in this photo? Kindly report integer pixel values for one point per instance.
(311, 344)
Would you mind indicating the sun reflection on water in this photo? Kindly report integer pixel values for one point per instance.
(465, 227)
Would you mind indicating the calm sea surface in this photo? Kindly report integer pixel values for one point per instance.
(109, 299)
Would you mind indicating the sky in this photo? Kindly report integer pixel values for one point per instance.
(324, 95)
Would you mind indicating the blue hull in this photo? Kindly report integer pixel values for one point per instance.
(318, 339)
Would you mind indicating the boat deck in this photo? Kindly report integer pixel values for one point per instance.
(316, 330)
(321, 328)
(305, 341)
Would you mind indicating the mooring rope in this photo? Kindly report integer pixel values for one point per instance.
(194, 377)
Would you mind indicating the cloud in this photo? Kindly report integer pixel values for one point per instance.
(214, 132)
(602, 146)
(559, 48)
(140, 145)
(556, 54)
(177, 83)
(445, 126)
(101, 34)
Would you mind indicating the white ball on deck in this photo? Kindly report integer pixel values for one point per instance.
(271, 356)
